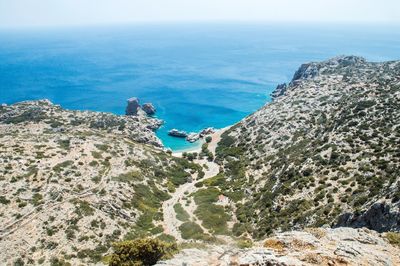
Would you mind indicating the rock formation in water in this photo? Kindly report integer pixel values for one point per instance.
(132, 107)
(149, 108)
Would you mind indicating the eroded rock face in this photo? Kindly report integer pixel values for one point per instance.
(380, 217)
(279, 91)
(133, 106)
(306, 71)
(149, 108)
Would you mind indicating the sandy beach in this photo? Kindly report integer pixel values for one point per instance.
(216, 137)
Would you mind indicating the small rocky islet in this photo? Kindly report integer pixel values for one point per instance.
(311, 178)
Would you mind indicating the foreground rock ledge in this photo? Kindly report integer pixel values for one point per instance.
(313, 246)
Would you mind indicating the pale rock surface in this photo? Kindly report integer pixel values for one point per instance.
(313, 246)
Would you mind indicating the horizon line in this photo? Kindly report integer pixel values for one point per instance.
(205, 22)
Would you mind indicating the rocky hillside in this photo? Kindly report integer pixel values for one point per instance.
(72, 182)
(326, 151)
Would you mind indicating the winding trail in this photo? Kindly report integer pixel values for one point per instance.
(171, 223)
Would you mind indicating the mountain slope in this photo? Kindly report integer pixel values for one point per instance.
(72, 182)
(324, 151)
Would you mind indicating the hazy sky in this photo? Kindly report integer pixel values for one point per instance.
(21, 13)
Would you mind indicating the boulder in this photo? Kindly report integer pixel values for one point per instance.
(193, 137)
(133, 106)
(207, 131)
(149, 108)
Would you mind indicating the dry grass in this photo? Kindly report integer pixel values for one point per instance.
(301, 245)
(274, 244)
(393, 238)
(317, 232)
(317, 259)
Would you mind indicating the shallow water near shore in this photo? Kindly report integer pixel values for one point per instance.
(197, 75)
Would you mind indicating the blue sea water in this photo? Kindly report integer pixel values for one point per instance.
(197, 75)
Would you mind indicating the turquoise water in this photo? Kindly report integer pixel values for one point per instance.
(197, 75)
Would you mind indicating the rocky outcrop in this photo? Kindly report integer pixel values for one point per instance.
(191, 137)
(313, 246)
(133, 106)
(279, 91)
(313, 69)
(207, 131)
(381, 217)
(306, 71)
(149, 108)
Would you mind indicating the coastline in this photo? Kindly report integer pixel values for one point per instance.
(215, 138)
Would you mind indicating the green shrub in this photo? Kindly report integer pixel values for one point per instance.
(191, 230)
(37, 199)
(167, 238)
(139, 252)
(238, 229)
(129, 176)
(4, 200)
(64, 144)
(393, 238)
(244, 243)
(209, 195)
(181, 214)
(83, 208)
(213, 216)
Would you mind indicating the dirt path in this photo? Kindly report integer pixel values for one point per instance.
(171, 223)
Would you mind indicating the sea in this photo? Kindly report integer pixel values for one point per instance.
(197, 75)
